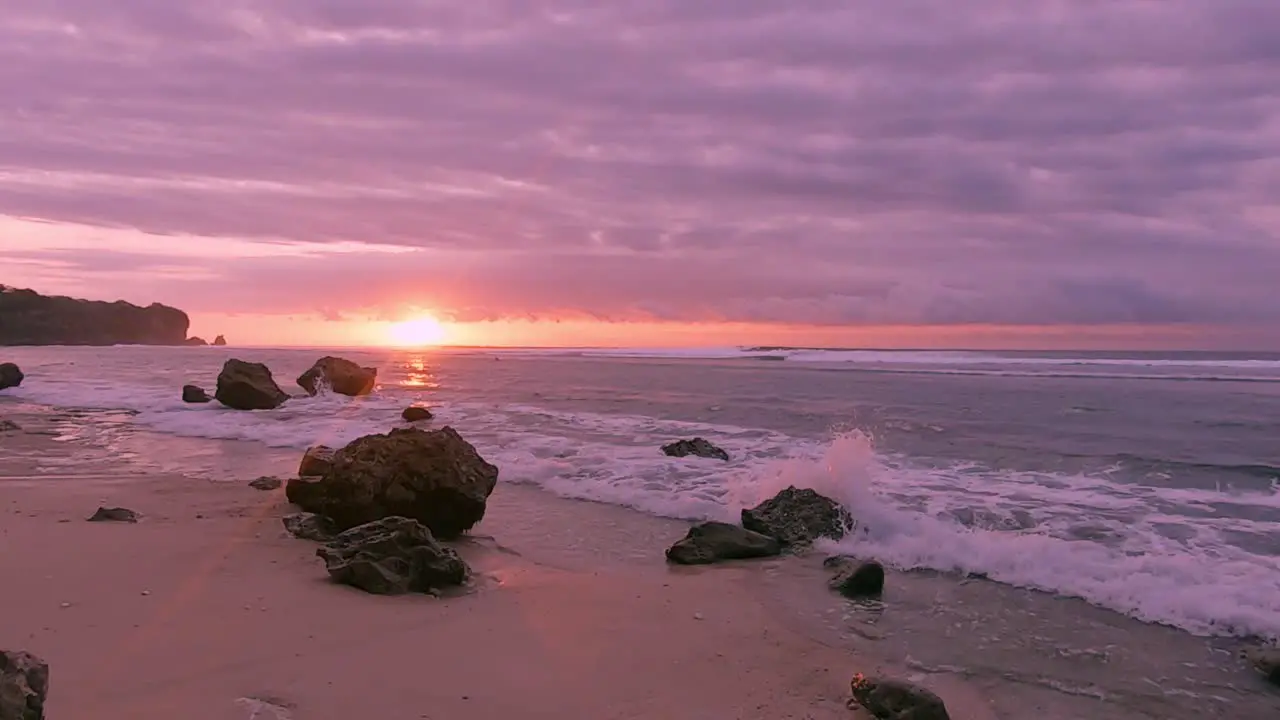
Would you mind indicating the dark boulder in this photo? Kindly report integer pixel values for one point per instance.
(710, 542)
(248, 386)
(340, 375)
(34, 319)
(391, 556)
(697, 447)
(432, 476)
(219, 341)
(115, 514)
(854, 579)
(266, 483)
(309, 526)
(195, 394)
(316, 461)
(24, 685)
(797, 517)
(1266, 660)
(415, 413)
(10, 376)
(896, 700)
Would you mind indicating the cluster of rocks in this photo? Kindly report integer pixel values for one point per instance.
(244, 385)
(382, 504)
(790, 521)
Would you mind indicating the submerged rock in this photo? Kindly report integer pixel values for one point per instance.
(266, 483)
(710, 542)
(309, 526)
(248, 386)
(432, 476)
(340, 375)
(24, 685)
(698, 447)
(195, 394)
(316, 461)
(9, 426)
(1266, 660)
(896, 700)
(797, 517)
(391, 556)
(10, 376)
(415, 413)
(854, 579)
(115, 514)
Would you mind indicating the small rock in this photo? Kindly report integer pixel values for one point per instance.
(195, 394)
(10, 376)
(316, 461)
(710, 542)
(115, 514)
(309, 526)
(64, 605)
(698, 616)
(415, 413)
(392, 556)
(24, 685)
(1267, 662)
(266, 483)
(797, 517)
(145, 593)
(896, 700)
(697, 447)
(220, 341)
(853, 579)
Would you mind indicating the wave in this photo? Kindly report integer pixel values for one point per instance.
(1159, 554)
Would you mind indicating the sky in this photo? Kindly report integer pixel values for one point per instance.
(1058, 173)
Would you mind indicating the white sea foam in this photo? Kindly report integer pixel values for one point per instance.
(1155, 553)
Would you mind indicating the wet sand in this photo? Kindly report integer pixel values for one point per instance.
(207, 609)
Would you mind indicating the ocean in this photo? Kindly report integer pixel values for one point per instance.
(1143, 483)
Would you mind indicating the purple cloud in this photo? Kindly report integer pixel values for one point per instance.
(828, 162)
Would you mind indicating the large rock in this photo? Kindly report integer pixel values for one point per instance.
(855, 579)
(896, 700)
(391, 556)
(34, 319)
(432, 476)
(340, 375)
(248, 386)
(10, 376)
(316, 461)
(713, 541)
(195, 394)
(698, 447)
(1267, 662)
(24, 685)
(797, 517)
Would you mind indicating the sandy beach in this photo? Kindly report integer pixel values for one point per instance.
(207, 609)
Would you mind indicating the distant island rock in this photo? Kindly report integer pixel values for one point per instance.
(195, 342)
(219, 341)
(29, 318)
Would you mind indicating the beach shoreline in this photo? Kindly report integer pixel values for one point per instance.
(207, 606)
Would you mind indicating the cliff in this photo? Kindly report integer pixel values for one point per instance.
(29, 318)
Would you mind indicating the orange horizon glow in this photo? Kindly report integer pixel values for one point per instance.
(426, 330)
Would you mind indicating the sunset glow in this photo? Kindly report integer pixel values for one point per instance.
(419, 331)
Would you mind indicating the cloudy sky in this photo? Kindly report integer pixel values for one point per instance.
(801, 167)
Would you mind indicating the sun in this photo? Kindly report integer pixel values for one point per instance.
(421, 330)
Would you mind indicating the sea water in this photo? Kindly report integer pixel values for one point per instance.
(1141, 483)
